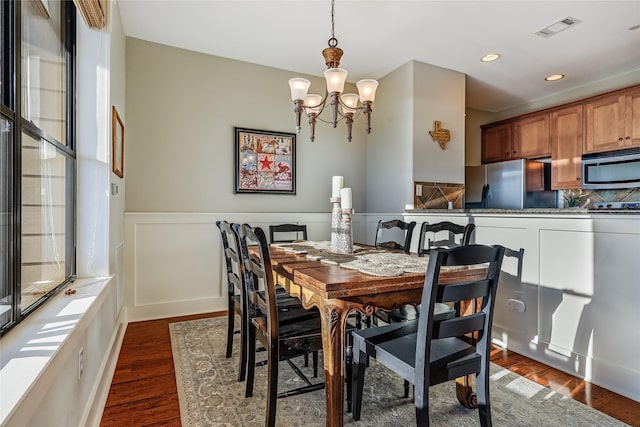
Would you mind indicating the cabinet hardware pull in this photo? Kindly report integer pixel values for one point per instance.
(628, 137)
(620, 139)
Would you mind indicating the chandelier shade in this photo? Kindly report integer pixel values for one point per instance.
(343, 106)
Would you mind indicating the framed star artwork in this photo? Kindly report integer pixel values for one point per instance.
(265, 161)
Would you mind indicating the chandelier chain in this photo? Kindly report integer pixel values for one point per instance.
(333, 22)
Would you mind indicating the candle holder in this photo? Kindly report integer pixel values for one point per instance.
(335, 222)
(345, 233)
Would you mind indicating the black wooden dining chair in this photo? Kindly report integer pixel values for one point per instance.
(463, 232)
(409, 312)
(429, 350)
(299, 231)
(236, 297)
(394, 234)
(285, 332)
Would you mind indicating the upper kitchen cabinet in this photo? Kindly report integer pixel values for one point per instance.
(566, 148)
(524, 138)
(497, 143)
(612, 122)
(531, 137)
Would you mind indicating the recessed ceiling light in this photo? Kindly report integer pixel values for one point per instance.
(490, 57)
(554, 77)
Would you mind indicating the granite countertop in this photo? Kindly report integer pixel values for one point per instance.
(530, 211)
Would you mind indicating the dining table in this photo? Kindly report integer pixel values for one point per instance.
(337, 291)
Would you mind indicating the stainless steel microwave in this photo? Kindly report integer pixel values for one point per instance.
(611, 170)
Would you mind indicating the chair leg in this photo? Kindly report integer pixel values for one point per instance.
(315, 363)
(242, 371)
(406, 389)
(421, 400)
(348, 370)
(306, 360)
(230, 327)
(251, 360)
(357, 378)
(482, 393)
(272, 385)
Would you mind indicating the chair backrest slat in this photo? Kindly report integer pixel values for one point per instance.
(404, 244)
(465, 291)
(426, 244)
(459, 326)
(289, 229)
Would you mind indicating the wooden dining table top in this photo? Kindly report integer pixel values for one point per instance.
(332, 281)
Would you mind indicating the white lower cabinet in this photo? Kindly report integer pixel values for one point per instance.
(574, 301)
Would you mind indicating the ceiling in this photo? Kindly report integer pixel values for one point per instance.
(379, 36)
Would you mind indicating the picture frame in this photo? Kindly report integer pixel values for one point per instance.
(265, 161)
(117, 143)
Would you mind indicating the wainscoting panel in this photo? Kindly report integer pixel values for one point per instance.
(173, 262)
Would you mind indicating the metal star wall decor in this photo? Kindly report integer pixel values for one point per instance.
(439, 134)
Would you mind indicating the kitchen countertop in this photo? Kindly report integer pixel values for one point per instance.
(530, 211)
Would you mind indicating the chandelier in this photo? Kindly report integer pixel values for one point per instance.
(344, 105)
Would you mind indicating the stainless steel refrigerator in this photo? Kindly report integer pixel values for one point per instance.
(507, 186)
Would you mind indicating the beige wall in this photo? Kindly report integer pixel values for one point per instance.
(473, 145)
(438, 94)
(389, 168)
(181, 110)
(400, 149)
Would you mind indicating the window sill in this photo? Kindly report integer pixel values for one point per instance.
(30, 348)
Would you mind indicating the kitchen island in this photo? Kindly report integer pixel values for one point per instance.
(571, 300)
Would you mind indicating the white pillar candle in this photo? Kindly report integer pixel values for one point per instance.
(336, 185)
(345, 198)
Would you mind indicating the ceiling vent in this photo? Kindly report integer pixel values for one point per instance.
(557, 27)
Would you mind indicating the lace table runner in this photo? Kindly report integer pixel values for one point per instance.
(369, 261)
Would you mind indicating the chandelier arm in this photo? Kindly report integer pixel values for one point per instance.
(349, 118)
(335, 96)
(367, 112)
(312, 125)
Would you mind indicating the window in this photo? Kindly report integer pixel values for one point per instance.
(37, 155)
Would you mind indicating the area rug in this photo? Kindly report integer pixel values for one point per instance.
(211, 396)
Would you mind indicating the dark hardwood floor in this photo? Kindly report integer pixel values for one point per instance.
(143, 391)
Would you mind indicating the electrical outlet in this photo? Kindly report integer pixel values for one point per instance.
(80, 362)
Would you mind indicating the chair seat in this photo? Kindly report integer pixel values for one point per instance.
(392, 344)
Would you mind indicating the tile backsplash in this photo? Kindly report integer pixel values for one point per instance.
(437, 195)
(620, 195)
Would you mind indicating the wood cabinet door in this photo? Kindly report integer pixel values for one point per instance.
(605, 124)
(566, 148)
(632, 119)
(531, 137)
(535, 175)
(497, 143)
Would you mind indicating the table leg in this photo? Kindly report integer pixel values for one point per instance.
(464, 392)
(333, 336)
(464, 385)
